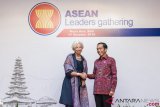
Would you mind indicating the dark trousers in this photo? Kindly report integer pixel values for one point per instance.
(103, 100)
(68, 106)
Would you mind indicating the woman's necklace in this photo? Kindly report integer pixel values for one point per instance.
(79, 58)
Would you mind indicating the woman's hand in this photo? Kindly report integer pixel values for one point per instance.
(83, 83)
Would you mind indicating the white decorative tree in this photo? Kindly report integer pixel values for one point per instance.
(17, 92)
(17, 87)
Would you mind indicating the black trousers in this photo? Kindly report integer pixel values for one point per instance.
(68, 106)
(103, 100)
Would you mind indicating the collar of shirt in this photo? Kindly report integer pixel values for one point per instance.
(104, 57)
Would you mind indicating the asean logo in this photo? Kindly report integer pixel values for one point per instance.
(44, 18)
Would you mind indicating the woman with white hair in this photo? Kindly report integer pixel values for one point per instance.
(74, 90)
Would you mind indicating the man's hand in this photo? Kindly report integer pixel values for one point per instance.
(111, 93)
(83, 75)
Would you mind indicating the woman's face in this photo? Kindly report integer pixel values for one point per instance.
(78, 49)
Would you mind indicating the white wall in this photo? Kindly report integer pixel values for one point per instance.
(43, 56)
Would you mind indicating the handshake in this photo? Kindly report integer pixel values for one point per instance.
(82, 75)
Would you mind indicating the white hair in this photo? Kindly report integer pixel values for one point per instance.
(76, 43)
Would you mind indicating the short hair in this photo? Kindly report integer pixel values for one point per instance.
(104, 45)
(74, 44)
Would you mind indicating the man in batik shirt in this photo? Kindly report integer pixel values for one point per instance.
(105, 75)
